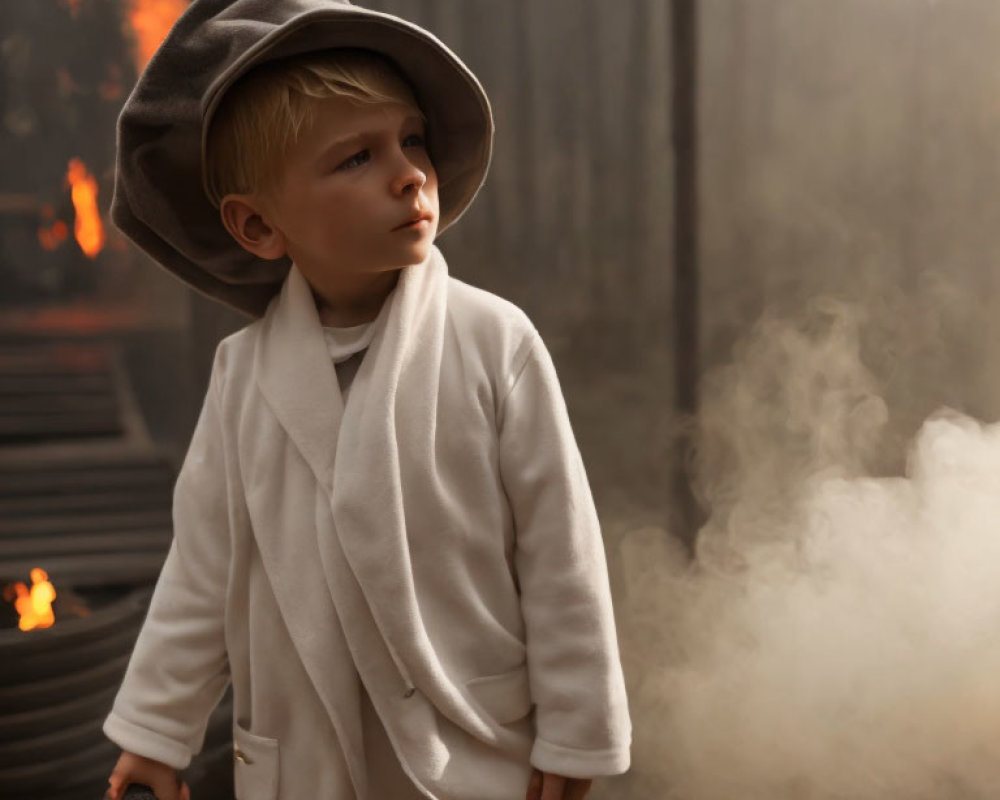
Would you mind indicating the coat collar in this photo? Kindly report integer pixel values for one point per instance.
(296, 376)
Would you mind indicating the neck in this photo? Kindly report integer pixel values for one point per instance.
(355, 301)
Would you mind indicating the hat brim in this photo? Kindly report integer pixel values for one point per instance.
(161, 198)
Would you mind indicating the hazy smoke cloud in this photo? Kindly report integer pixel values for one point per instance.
(837, 634)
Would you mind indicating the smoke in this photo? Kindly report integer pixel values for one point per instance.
(837, 633)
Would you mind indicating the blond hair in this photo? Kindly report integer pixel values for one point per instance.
(263, 114)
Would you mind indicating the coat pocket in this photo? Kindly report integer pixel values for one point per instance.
(255, 765)
(506, 697)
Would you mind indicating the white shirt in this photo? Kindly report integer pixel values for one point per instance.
(347, 347)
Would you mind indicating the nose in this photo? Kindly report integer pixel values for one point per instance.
(409, 178)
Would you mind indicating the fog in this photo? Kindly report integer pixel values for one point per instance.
(837, 633)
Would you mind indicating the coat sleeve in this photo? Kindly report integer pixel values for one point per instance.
(583, 728)
(179, 670)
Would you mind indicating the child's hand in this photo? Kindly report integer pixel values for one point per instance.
(548, 786)
(159, 777)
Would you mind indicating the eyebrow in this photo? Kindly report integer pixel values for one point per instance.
(357, 137)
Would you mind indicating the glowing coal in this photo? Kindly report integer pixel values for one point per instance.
(837, 635)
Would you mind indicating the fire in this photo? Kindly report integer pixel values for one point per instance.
(35, 604)
(151, 20)
(89, 229)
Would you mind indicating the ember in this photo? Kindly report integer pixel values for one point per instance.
(51, 237)
(73, 6)
(111, 88)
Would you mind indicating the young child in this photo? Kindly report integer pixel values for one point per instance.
(384, 536)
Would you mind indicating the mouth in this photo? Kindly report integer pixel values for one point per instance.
(417, 222)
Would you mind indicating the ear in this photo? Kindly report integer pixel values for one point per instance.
(247, 222)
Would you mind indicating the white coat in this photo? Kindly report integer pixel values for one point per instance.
(436, 536)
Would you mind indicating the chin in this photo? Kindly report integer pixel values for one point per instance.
(415, 255)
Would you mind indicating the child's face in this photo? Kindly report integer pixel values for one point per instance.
(351, 183)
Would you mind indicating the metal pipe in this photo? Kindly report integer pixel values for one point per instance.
(684, 56)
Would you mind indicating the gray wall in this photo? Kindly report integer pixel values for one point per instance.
(853, 148)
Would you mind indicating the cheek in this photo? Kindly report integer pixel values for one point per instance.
(333, 211)
(431, 189)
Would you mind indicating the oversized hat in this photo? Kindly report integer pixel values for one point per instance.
(161, 200)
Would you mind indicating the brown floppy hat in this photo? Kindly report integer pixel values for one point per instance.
(161, 200)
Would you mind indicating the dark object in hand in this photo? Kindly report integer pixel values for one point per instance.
(136, 791)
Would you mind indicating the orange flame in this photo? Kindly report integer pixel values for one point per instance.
(34, 605)
(89, 229)
(151, 20)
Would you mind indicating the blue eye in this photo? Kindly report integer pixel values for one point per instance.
(356, 160)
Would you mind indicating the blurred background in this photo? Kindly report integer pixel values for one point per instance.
(666, 173)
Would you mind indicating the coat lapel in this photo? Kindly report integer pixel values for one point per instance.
(296, 376)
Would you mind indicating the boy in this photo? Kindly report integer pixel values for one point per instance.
(394, 559)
